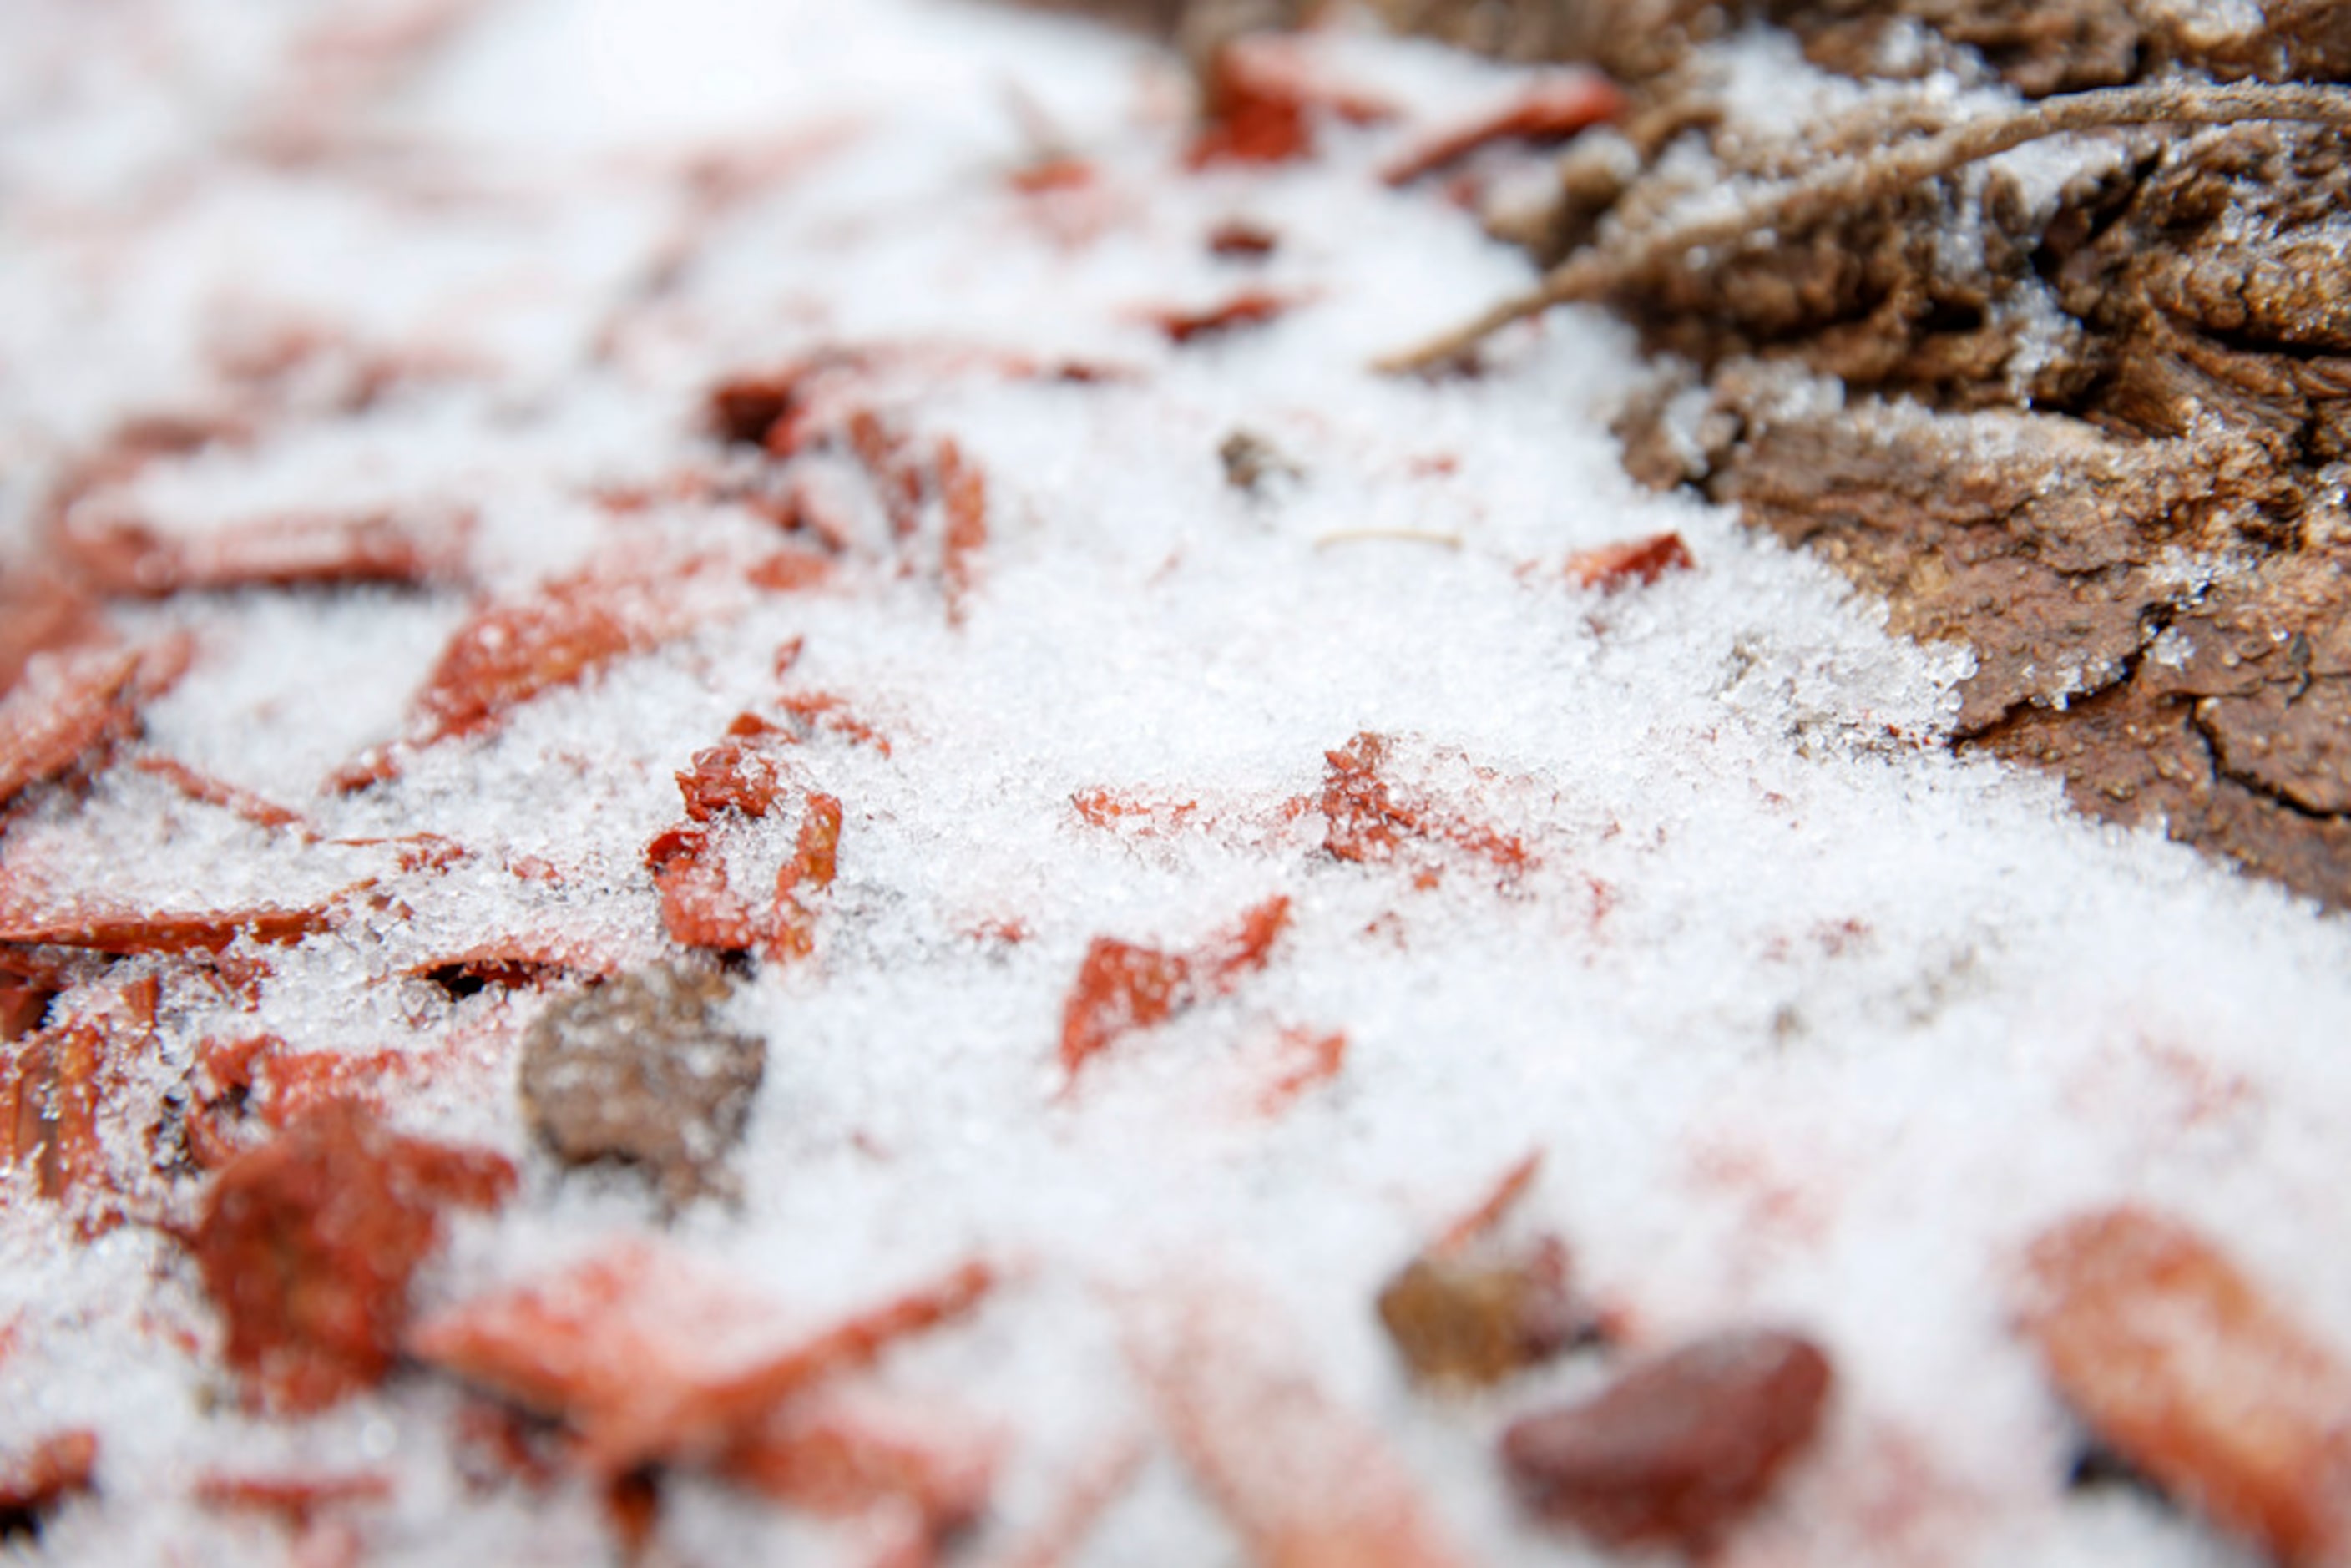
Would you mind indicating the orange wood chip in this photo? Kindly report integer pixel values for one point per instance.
(68, 708)
(1644, 560)
(1557, 106)
(650, 1357)
(1248, 308)
(1262, 98)
(963, 494)
(1305, 1483)
(1311, 1057)
(511, 653)
(126, 558)
(296, 1500)
(838, 1453)
(809, 872)
(1122, 988)
(307, 1245)
(1369, 820)
(2181, 1364)
(37, 1479)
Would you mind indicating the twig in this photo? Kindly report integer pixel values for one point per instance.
(1403, 536)
(1843, 187)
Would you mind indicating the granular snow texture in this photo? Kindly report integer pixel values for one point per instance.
(1815, 1026)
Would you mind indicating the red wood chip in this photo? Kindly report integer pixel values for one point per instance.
(809, 872)
(1304, 1482)
(840, 1453)
(307, 1245)
(68, 708)
(1262, 96)
(1559, 106)
(1122, 988)
(652, 1357)
(126, 558)
(511, 652)
(1369, 820)
(37, 1479)
(61, 1087)
(1619, 564)
(297, 1500)
(963, 493)
(126, 931)
(2182, 1366)
(1674, 1452)
(1250, 307)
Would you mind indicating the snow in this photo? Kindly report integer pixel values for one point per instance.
(1813, 1022)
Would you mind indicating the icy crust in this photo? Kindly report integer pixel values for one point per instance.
(1813, 1024)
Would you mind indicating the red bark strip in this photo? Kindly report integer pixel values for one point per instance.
(1106, 809)
(1091, 1494)
(130, 559)
(963, 494)
(42, 613)
(1250, 307)
(1481, 1221)
(1369, 821)
(1316, 1058)
(212, 791)
(810, 871)
(511, 652)
(1262, 100)
(1550, 110)
(699, 908)
(128, 931)
(296, 1501)
(814, 711)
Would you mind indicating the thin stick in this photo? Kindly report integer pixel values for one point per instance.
(1403, 536)
(1802, 204)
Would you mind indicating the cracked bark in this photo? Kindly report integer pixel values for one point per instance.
(2104, 441)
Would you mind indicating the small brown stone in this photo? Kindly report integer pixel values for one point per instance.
(639, 1070)
(1675, 1452)
(1254, 463)
(1472, 1322)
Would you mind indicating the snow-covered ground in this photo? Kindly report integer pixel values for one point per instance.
(1813, 1024)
